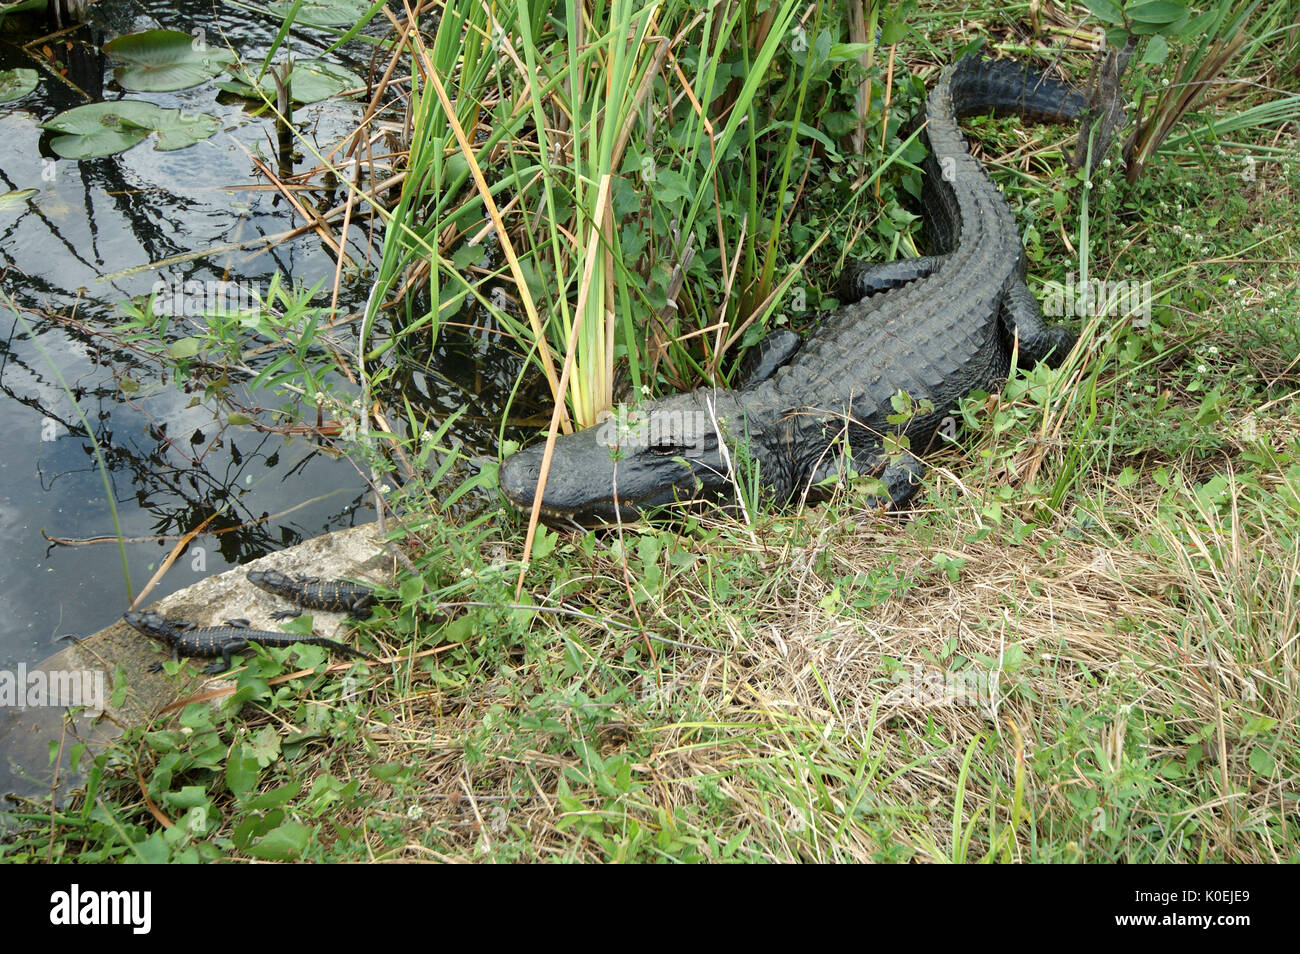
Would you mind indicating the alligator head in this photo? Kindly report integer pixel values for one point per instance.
(659, 453)
(150, 622)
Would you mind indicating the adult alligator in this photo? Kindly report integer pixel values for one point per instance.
(935, 328)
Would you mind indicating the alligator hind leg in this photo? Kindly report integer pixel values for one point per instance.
(902, 478)
(221, 665)
(861, 279)
(1023, 318)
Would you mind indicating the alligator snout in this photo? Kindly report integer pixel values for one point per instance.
(519, 476)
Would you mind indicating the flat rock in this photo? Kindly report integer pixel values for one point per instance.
(26, 733)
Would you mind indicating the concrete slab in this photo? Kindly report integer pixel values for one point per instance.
(27, 731)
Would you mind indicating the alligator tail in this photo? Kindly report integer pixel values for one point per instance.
(338, 647)
(1008, 88)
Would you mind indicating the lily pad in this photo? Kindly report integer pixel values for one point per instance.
(15, 84)
(162, 60)
(310, 82)
(324, 13)
(101, 129)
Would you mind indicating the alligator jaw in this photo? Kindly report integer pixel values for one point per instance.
(664, 452)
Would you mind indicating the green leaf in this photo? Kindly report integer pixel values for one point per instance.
(241, 771)
(323, 12)
(284, 842)
(893, 31)
(188, 797)
(1107, 11)
(153, 850)
(1260, 761)
(264, 745)
(102, 129)
(389, 772)
(184, 348)
(275, 798)
(841, 52)
(162, 60)
(1156, 52)
(1157, 11)
(670, 185)
(15, 84)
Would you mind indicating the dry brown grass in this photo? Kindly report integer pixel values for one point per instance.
(1099, 665)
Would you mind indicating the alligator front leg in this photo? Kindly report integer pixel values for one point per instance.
(900, 474)
(1022, 318)
(861, 279)
(767, 357)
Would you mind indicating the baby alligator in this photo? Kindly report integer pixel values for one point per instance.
(337, 596)
(186, 639)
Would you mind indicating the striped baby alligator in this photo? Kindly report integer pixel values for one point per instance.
(234, 636)
(338, 596)
(933, 329)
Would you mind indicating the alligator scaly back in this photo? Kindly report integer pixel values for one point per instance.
(934, 328)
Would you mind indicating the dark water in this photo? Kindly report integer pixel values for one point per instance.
(83, 246)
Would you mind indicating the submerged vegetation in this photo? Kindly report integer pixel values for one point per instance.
(1080, 646)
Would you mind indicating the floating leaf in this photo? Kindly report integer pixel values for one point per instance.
(15, 84)
(310, 82)
(101, 129)
(161, 60)
(324, 12)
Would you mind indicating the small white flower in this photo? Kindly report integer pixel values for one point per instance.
(1200, 369)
